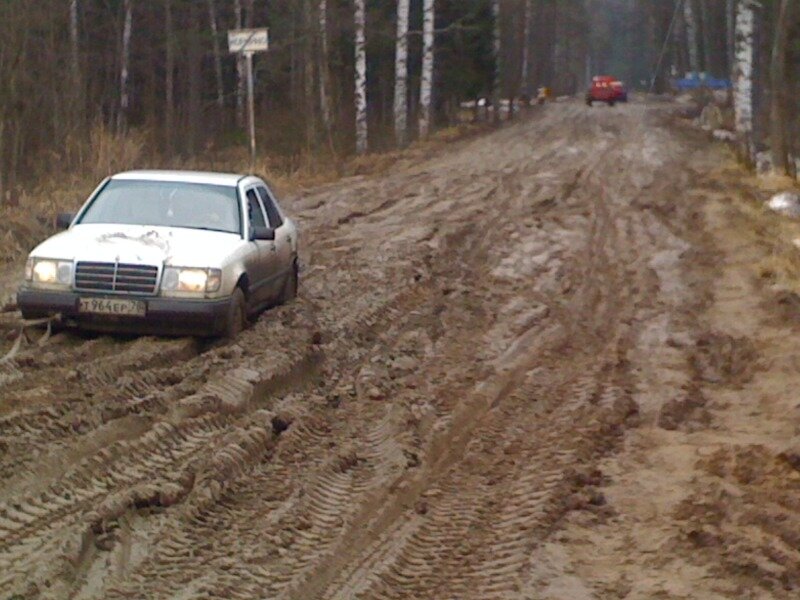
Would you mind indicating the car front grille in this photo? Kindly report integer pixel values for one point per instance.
(116, 278)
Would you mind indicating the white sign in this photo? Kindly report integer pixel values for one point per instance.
(248, 40)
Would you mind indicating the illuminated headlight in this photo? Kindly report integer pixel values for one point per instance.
(48, 271)
(193, 281)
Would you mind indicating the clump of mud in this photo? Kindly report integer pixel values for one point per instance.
(724, 359)
(686, 413)
(743, 521)
(785, 304)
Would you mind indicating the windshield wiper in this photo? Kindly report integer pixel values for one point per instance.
(212, 229)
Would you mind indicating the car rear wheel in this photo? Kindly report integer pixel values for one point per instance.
(237, 315)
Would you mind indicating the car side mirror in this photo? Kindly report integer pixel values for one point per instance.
(64, 220)
(262, 233)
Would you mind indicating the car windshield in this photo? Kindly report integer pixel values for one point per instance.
(166, 204)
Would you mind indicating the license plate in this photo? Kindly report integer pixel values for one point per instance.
(110, 306)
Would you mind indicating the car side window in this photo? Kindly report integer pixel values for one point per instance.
(254, 210)
(275, 219)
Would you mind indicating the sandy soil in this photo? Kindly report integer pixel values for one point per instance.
(541, 364)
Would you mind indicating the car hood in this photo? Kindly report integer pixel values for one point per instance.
(141, 245)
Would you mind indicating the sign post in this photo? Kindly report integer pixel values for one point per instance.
(248, 42)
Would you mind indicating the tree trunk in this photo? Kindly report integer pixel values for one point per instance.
(426, 86)
(2, 153)
(692, 37)
(525, 72)
(362, 131)
(498, 60)
(212, 19)
(779, 140)
(124, 76)
(743, 78)
(309, 94)
(169, 79)
(75, 67)
(324, 73)
(730, 18)
(241, 76)
(194, 83)
(401, 74)
(708, 40)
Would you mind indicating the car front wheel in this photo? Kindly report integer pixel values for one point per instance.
(237, 315)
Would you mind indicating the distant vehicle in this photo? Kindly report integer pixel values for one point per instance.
(606, 89)
(171, 252)
(695, 81)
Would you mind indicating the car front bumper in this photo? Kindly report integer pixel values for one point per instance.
(165, 316)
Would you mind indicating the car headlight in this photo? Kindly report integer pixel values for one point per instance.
(47, 271)
(193, 281)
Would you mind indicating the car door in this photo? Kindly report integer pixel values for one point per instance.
(284, 233)
(262, 269)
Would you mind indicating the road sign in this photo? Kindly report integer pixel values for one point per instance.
(248, 40)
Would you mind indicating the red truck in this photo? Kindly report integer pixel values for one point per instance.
(606, 89)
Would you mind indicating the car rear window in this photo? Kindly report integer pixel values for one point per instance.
(166, 204)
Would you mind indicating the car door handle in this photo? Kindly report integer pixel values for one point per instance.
(274, 248)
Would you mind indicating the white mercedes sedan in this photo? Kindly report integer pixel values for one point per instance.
(166, 252)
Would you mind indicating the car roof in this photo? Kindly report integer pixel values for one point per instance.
(224, 179)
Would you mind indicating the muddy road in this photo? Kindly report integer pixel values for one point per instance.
(511, 373)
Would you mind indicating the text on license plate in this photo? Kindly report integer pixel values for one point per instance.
(109, 306)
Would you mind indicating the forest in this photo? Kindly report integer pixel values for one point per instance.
(84, 79)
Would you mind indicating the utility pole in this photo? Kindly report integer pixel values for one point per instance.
(251, 110)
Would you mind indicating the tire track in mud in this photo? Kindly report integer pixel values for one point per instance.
(447, 536)
(329, 483)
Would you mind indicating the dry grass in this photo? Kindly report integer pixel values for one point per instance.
(79, 166)
(777, 234)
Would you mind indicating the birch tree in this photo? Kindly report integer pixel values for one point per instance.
(401, 74)
(692, 36)
(779, 140)
(426, 85)
(498, 59)
(743, 77)
(124, 74)
(362, 132)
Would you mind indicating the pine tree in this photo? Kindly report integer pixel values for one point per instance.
(498, 60)
(693, 37)
(124, 74)
(779, 140)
